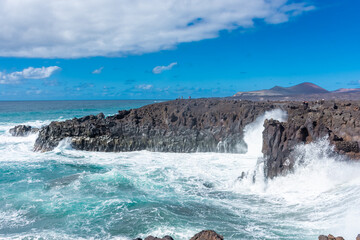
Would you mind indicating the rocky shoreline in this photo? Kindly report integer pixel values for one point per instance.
(203, 235)
(210, 125)
(201, 125)
(212, 235)
(339, 122)
(331, 237)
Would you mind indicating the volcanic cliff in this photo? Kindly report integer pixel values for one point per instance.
(339, 122)
(204, 125)
(213, 125)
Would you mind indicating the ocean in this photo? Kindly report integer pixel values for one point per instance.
(70, 194)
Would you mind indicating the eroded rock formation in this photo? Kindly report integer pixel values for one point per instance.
(209, 125)
(156, 238)
(339, 122)
(207, 235)
(203, 235)
(330, 237)
(204, 125)
(22, 131)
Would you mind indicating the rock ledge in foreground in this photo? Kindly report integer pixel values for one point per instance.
(203, 235)
(207, 235)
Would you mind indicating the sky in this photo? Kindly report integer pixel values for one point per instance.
(155, 49)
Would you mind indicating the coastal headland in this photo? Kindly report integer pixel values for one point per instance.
(212, 125)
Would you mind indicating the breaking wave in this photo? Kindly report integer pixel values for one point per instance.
(77, 194)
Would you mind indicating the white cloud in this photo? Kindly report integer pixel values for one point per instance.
(39, 73)
(27, 73)
(160, 69)
(97, 71)
(145, 86)
(83, 28)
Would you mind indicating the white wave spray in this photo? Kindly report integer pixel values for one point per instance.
(323, 181)
(181, 194)
(253, 131)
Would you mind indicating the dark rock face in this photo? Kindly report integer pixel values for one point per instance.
(203, 235)
(207, 235)
(275, 148)
(213, 125)
(330, 237)
(155, 238)
(339, 122)
(22, 131)
(203, 125)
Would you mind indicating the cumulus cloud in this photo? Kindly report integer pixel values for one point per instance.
(97, 71)
(160, 69)
(27, 73)
(144, 86)
(84, 28)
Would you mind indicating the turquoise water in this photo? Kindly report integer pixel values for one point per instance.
(31, 111)
(69, 194)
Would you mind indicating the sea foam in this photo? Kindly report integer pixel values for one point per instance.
(131, 194)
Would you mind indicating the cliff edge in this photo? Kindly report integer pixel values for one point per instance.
(339, 122)
(205, 125)
(213, 125)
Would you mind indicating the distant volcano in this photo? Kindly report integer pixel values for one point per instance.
(302, 91)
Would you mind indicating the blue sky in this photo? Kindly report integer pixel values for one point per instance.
(214, 55)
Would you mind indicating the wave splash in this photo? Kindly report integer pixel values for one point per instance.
(253, 131)
(321, 180)
(131, 194)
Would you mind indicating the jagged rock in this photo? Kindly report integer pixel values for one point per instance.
(358, 237)
(347, 146)
(22, 131)
(213, 125)
(203, 235)
(330, 237)
(275, 148)
(205, 125)
(207, 235)
(156, 238)
(341, 125)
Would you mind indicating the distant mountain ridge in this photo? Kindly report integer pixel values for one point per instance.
(301, 91)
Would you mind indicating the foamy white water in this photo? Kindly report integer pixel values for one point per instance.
(76, 194)
(253, 131)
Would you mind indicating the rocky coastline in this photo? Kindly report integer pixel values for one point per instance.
(331, 237)
(201, 125)
(212, 235)
(210, 125)
(339, 122)
(203, 235)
